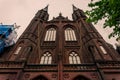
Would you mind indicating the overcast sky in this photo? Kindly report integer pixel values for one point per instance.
(22, 12)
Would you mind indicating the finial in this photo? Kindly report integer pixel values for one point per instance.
(46, 8)
(74, 8)
(60, 14)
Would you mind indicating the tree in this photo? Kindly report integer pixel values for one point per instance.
(109, 10)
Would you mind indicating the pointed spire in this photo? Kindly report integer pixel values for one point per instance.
(46, 8)
(74, 8)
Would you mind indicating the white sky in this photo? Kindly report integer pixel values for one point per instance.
(22, 12)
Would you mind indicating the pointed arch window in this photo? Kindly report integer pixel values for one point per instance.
(70, 34)
(103, 49)
(74, 58)
(18, 50)
(50, 35)
(46, 58)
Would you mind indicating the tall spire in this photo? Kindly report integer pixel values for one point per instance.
(46, 8)
(74, 8)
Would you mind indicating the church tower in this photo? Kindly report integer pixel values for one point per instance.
(60, 49)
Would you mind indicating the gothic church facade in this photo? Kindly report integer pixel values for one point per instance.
(60, 49)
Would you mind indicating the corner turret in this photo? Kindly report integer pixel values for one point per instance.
(43, 14)
(77, 13)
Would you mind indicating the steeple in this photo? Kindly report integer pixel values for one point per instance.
(74, 8)
(43, 14)
(46, 8)
(77, 13)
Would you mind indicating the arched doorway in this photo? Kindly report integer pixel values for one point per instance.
(80, 78)
(40, 78)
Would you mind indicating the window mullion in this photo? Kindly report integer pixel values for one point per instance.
(46, 59)
(71, 35)
(70, 60)
(50, 35)
(49, 60)
(46, 36)
(68, 34)
(73, 59)
(78, 59)
(42, 60)
(54, 35)
(73, 32)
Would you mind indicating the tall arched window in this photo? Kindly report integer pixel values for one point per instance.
(50, 35)
(70, 34)
(103, 49)
(18, 50)
(27, 51)
(74, 58)
(46, 58)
